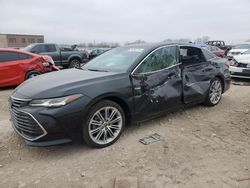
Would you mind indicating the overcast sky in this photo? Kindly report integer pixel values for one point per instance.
(75, 21)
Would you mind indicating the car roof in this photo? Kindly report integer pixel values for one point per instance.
(18, 51)
(150, 46)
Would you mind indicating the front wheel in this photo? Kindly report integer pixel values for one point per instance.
(215, 92)
(104, 125)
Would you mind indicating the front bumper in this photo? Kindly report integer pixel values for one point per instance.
(239, 72)
(41, 126)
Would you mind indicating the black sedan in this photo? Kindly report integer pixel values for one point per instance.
(126, 84)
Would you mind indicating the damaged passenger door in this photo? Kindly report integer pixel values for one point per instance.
(196, 74)
(156, 81)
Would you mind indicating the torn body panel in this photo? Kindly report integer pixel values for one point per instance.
(196, 81)
(157, 91)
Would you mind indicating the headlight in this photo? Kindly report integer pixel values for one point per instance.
(55, 102)
(52, 62)
(233, 62)
(46, 64)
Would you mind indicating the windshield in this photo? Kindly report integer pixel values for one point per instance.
(28, 48)
(242, 46)
(116, 60)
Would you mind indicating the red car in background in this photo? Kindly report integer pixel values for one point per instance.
(217, 51)
(17, 66)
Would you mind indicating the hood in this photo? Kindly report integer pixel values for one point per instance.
(60, 83)
(245, 58)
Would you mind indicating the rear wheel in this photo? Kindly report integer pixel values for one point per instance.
(214, 93)
(104, 125)
(32, 74)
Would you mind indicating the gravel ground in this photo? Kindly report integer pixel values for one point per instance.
(199, 147)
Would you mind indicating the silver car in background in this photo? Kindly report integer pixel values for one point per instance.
(240, 65)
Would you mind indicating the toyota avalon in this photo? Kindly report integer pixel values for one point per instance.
(127, 84)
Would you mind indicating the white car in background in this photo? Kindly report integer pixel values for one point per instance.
(238, 50)
(240, 65)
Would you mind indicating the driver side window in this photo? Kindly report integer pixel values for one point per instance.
(39, 49)
(160, 59)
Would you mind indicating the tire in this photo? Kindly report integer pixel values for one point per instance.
(101, 125)
(32, 74)
(214, 94)
(75, 63)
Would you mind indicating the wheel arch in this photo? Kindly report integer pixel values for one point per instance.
(35, 70)
(117, 99)
(222, 82)
(74, 57)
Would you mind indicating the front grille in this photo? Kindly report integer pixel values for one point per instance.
(24, 123)
(235, 53)
(241, 74)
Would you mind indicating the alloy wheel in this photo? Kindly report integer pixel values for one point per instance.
(215, 91)
(105, 125)
(75, 64)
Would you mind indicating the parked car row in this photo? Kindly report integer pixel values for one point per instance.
(62, 56)
(220, 44)
(17, 66)
(238, 55)
(96, 52)
(214, 49)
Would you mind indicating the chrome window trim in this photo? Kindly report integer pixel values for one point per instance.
(25, 137)
(133, 72)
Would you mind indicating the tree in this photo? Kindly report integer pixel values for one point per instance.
(202, 39)
(135, 42)
(180, 40)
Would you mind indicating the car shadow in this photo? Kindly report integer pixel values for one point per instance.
(79, 148)
(241, 81)
(7, 88)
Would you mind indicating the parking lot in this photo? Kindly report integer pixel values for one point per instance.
(199, 147)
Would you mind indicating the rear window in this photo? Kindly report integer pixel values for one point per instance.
(24, 56)
(8, 56)
(13, 56)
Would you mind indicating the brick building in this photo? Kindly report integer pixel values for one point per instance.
(18, 40)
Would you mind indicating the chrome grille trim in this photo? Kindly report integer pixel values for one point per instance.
(17, 102)
(27, 128)
(23, 121)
